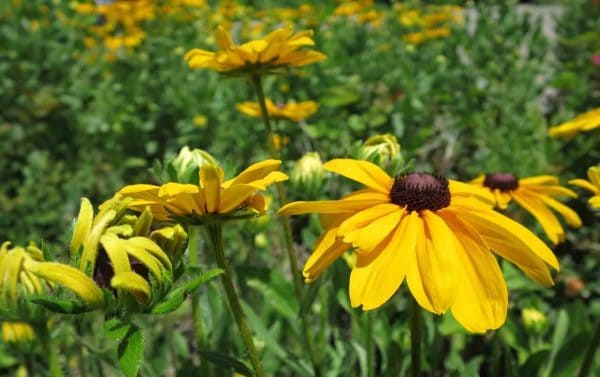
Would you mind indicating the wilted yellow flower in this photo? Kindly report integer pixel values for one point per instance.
(592, 185)
(295, 111)
(435, 233)
(587, 121)
(280, 48)
(118, 249)
(536, 196)
(17, 332)
(23, 270)
(211, 196)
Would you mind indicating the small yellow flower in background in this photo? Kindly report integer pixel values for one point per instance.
(533, 319)
(23, 270)
(421, 36)
(587, 121)
(120, 251)
(537, 196)
(211, 196)
(593, 185)
(279, 141)
(295, 111)
(280, 48)
(436, 234)
(17, 332)
(200, 121)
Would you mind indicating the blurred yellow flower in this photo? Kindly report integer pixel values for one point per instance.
(17, 332)
(536, 196)
(587, 121)
(280, 48)
(593, 185)
(200, 121)
(436, 234)
(212, 195)
(421, 36)
(295, 111)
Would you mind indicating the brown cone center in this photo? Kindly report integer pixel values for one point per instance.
(420, 191)
(501, 181)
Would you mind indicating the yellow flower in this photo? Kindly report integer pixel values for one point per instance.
(17, 332)
(212, 196)
(536, 196)
(592, 185)
(280, 48)
(295, 111)
(420, 36)
(585, 122)
(119, 251)
(435, 233)
(23, 270)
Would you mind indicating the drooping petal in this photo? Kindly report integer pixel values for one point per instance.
(584, 184)
(83, 225)
(482, 298)
(570, 216)
(115, 250)
(369, 227)
(152, 248)
(547, 219)
(375, 279)
(133, 283)
(363, 172)
(327, 250)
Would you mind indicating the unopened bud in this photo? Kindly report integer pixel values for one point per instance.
(534, 320)
(383, 150)
(307, 174)
(187, 163)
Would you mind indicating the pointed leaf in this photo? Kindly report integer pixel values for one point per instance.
(174, 299)
(131, 351)
(226, 361)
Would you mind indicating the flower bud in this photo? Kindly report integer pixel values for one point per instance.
(307, 174)
(534, 320)
(187, 163)
(383, 150)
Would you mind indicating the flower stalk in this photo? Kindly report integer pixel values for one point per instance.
(49, 350)
(215, 233)
(285, 222)
(415, 338)
(370, 345)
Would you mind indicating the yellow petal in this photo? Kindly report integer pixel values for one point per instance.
(584, 184)
(369, 227)
(595, 201)
(9, 272)
(570, 216)
(211, 176)
(153, 248)
(363, 172)
(413, 275)
(232, 197)
(133, 283)
(471, 190)
(594, 176)
(83, 225)
(90, 245)
(254, 172)
(72, 279)
(115, 250)
(249, 108)
(549, 221)
(223, 39)
(482, 297)
(327, 250)
(539, 180)
(374, 280)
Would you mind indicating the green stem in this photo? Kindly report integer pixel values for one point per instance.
(370, 345)
(216, 239)
(287, 228)
(588, 358)
(415, 338)
(199, 334)
(49, 350)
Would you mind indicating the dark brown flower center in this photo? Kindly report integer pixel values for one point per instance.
(420, 191)
(501, 181)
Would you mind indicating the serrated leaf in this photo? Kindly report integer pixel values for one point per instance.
(226, 361)
(58, 305)
(115, 329)
(131, 351)
(174, 299)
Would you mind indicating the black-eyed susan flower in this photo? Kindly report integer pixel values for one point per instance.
(17, 332)
(119, 251)
(279, 49)
(436, 234)
(24, 271)
(295, 111)
(211, 196)
(587, 121)
(537, 196)
(592, 185)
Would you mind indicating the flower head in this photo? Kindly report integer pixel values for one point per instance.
(592, 185)
(436, 234)
(24, 271)
(122, 251)
(584, 122)
(537, 196)
(279, 49)
(295, 111)
(212, 196)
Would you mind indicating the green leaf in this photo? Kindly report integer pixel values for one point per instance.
(286, 306)
(310, 294)
(115, 329)
(560, 333)
(226, 361)
(534, 363)
(569, 358)
(131, 351)
(58, 305)
(174, 299)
